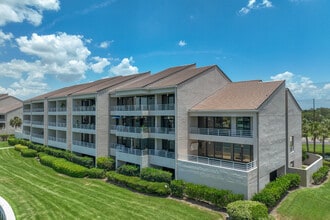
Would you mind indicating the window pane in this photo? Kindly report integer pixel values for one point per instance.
(202, 148)
(227, 151)
(218, 150)
(237, 152)
(210, 149)
(247, 153)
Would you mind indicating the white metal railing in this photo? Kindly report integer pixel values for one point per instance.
(52, 123)
(52, 109)
(221, 163)
(155, 107)
(26, 122)
(37, 109)
(222, 132)
(37, 135)
(127, 150)
(83, 108)
(37, 122)
(84, 126)
(53, 138)
(84, 144)
(160, 130)
(162, 153)
(61, 109)
(61, 124)
(27, 110)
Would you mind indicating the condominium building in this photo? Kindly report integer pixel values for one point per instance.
(192, 121)
(9, 108)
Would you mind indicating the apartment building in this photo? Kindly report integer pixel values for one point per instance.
(9, 108)
(192, 121)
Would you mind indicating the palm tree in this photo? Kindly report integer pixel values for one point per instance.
(15, 122)
(315, 131)
(306, 127)
(324, 132)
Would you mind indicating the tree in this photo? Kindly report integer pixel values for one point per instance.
(324, 132)
(15, 122)
(315, 131)
(306, 124)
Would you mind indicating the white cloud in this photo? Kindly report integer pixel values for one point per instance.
(253, 4)
(182, 43)
(124, 68)
(105, 44)
(100, 64)
(60, 54)
(303, 87)
(29, 10)
(5, 37)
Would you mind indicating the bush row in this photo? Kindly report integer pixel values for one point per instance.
(320, 175)
(136, 183)
(106, 163)
(247, 209)
(276, 190)
(129, 170)
(20, 147)
(220, 198)
(28, 152)
(155, 175)
(84, 161)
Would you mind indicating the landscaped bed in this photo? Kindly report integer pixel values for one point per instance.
(38, 192)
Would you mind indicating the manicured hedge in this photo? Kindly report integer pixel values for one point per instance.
(177, 188)
(106, 163)
(155, 175)
(4, 137)
(244, 210)
(84, 161)
(320, 175)
(276, 190)
(133, 182)
(28, 152)
(20, 147)
(220, 198)
(129, 170)
(96, 173)
(63, 166)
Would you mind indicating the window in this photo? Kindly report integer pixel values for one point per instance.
(238, 155)
(210, 149)
(291, 143)
(167, 122)
(202, 148)
(168, 145)
(243, 123)
(218, 150)
(227, 151)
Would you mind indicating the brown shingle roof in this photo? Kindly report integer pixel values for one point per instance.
(9, 103)
(249, 95)
(146, 82)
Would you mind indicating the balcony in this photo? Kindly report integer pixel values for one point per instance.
(219, 163)
(84, 126)
(132, 155)
(143, 132)
(158, 109)
(222, 132)
(84, 108)
(57, 142)
(26, 122)
(38, 110)
(84, 147)
(58, 109)
(38, 124)
(162, 158)
(27, 110)
(38, 138)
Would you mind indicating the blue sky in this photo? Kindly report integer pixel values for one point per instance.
(49, 44)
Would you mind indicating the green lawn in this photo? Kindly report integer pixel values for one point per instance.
(37, 192)
(318, 148)
(3, 144)
(307, 203)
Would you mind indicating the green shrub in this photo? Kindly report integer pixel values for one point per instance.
(129, 170)
(96, 173)
(106, 163)
(177, 188)
(326, 163)
(133, 182)
(220, 198)
(19, 147)
(247, 210)
(28, 152)
(12, 141)
(276, 190)
(63, 166)
(320, 175)
(155, 175)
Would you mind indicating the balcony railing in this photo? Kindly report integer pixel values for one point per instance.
(37, 109)
(221, 132)
(41, 136)
(127, 150)
(159, 130)
(221, 163)
(84, 144)
(58, 109)
(162, 153)
(26, 121)
(162, 107)
(27, 110)
(37, 122)
(83, 108)
(84, 126)
(52, 138)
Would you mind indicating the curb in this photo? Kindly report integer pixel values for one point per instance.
(5, 210)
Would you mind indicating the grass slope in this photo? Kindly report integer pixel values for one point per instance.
(37, 192)
(307, 203)
(318, 148)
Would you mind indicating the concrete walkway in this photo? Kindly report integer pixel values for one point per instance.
(3, 148)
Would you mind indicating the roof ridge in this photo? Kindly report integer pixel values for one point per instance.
(206, 69)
